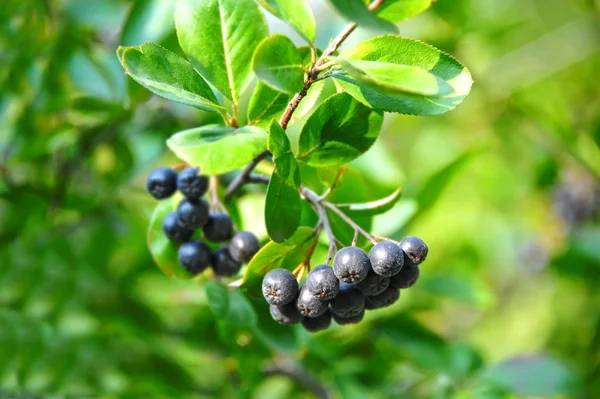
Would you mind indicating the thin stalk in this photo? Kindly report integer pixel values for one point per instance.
(349, 221)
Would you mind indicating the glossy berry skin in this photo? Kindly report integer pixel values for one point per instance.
(161, 182)
(219, 227)
(322, 282)
(407, 277)
(243, 246)
(373, 284)
(309, 306)
(279, 287)
(348, 320)
(174, 230)
(351, 265)
(224, 264)
(349, 302)
(314, 324)
(285, 314)
(386, 258)
(192, 214)
(194, 256)
(415, 250)
(385, 299)
(191, 184)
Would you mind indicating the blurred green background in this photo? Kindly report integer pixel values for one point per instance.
(505, 190)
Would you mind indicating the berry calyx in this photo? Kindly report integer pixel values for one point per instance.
(348, 302)
(407, 277)
(194, 256)
(174, 230)
(385, 299)
(386, 258)
(322, 282)
(218, 228)
(351, 265)
(243, 246)
(161, 182)
(373, 284)
(285, 314)
(309, 306)
(191, 184)
(224, 264)
(415, 250)
(279, 287)
(192, 215)
(314, 324)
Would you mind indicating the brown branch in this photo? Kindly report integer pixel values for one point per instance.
(243, 176)
(306, 381)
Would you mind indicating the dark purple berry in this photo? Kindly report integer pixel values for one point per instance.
(192, 214)
(174, 230)
(219, 227)
(309, 306)
(322, 282)
(407, 277)
(224, 264)
(386, 298)
(279, 287)
(348, 320)
(348, 302)
(314, 324)
(191, 184)
(415, 250)
(243, 246)
(373, 284)
(386, 258)
(351, 265)
(161, 182)
(285, 314)
(194, 256)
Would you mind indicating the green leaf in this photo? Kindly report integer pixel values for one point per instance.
(278, 63)
(168, 75)
(371, 208)
(283, 205)
(266, 104)
(163, 250)
(218, 298)
(357, 11)
(219, 37)
(275, 255)
(339, 131)
(218, 149)
(407, 52)
(386, 77)
(240, 312)
(297, 13)
(148, 21)
(399, 10)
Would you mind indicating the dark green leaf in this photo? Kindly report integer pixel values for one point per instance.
(297, 13)
(168, 75)
(371, 208)
(266, 104)
(218, 149)
(339, 131)
(283, 206)
(219, 38)
(163, 250)
(278, 63)
(240, 312)
(407, 52)
(400, 10)
(218, 298)
(357, 11)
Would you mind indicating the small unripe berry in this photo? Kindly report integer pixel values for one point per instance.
(351, 265)
(386, 258)
(348, 302)
(192, 215)
(348, 320)
(224, 264)
(174, 230)
(285, 314)
(407, 277)
(386, 298)
(243, 246)
(161, 182)
(415, 250)
(322, 282)
(373, 284)
(194, 256)
(314, 324)
(279, 287)
(309, 306)
(219, 227)
(191, 184)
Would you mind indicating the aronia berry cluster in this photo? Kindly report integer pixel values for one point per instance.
(356, 282)
(193, 213)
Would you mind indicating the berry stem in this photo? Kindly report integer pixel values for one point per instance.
(242, 178)
(316, 202)
(355, 238)
(213, 184)
(312, 248)
(381, 238)
(351, 222)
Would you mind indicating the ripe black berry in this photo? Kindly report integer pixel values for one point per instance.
(407, 277)
(174, 230)
(386, 258)
(314, 324)
(192, 214)
(348, 302)
(386, 298)
(309, 306)
(285, 314)
(280, 287)
(224, 264)
(191, 184)
(349, 320)
(161, 182)
(322, 282)
(194, 256)
(219, 227)
(415, 250)
(243, 246)
(373, 284)
(351, 265)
